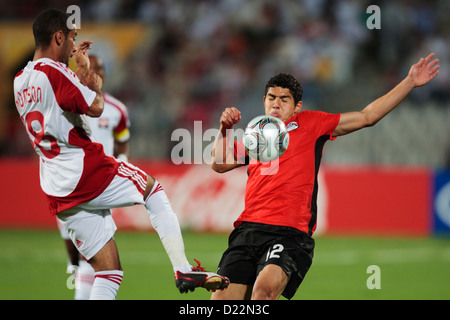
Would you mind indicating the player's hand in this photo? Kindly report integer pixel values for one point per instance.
(230, 117)
(93, 81)
(81, 56)
(423, 71)
(89, 78)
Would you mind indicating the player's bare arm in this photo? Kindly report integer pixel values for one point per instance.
(222, 154)
(420, 74)
(89, 78)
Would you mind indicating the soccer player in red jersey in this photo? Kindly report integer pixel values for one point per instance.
(271, 248)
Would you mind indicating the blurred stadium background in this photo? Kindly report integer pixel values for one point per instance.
(385, 192)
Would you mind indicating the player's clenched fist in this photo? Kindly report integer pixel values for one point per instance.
(230, 117)
(81, 56)
(92, 81)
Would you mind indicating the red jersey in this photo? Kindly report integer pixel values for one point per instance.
(284, 192)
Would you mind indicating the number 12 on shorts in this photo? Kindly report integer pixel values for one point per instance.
(273, 252)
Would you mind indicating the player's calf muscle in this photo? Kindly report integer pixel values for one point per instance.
(107, 258)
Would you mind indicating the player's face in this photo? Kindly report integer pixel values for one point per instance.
(279, 102)
(68, 47)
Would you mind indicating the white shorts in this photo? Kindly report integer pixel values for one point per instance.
(90, 225)
(62, 230)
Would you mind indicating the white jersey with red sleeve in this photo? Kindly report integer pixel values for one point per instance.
(112, 125)
(52, 104)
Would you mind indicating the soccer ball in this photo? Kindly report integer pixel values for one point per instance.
(265, 138)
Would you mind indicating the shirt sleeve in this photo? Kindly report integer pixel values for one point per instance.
(121, 131)
(121, 127)
(325, 123)
(70, 93)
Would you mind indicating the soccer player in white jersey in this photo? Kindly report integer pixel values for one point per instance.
(111, 129)
(81, 183)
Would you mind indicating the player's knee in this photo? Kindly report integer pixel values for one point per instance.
(105, 265)
(264, 292)
(149, 187)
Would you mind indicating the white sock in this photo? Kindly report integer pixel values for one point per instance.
(84, 279)
(166, 224)
(106, 285)
(174, 247)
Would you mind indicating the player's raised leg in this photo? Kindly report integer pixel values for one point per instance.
(168, 228)
(166, 224)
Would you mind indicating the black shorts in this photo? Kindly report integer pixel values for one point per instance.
(252, 246)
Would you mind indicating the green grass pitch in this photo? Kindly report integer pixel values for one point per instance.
(33, 266)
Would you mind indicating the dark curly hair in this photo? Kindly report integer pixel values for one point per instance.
(286, 81)
(48, 23)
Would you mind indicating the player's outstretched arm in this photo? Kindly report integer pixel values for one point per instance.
(420, 74)
(222, 154)
(89, 78)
